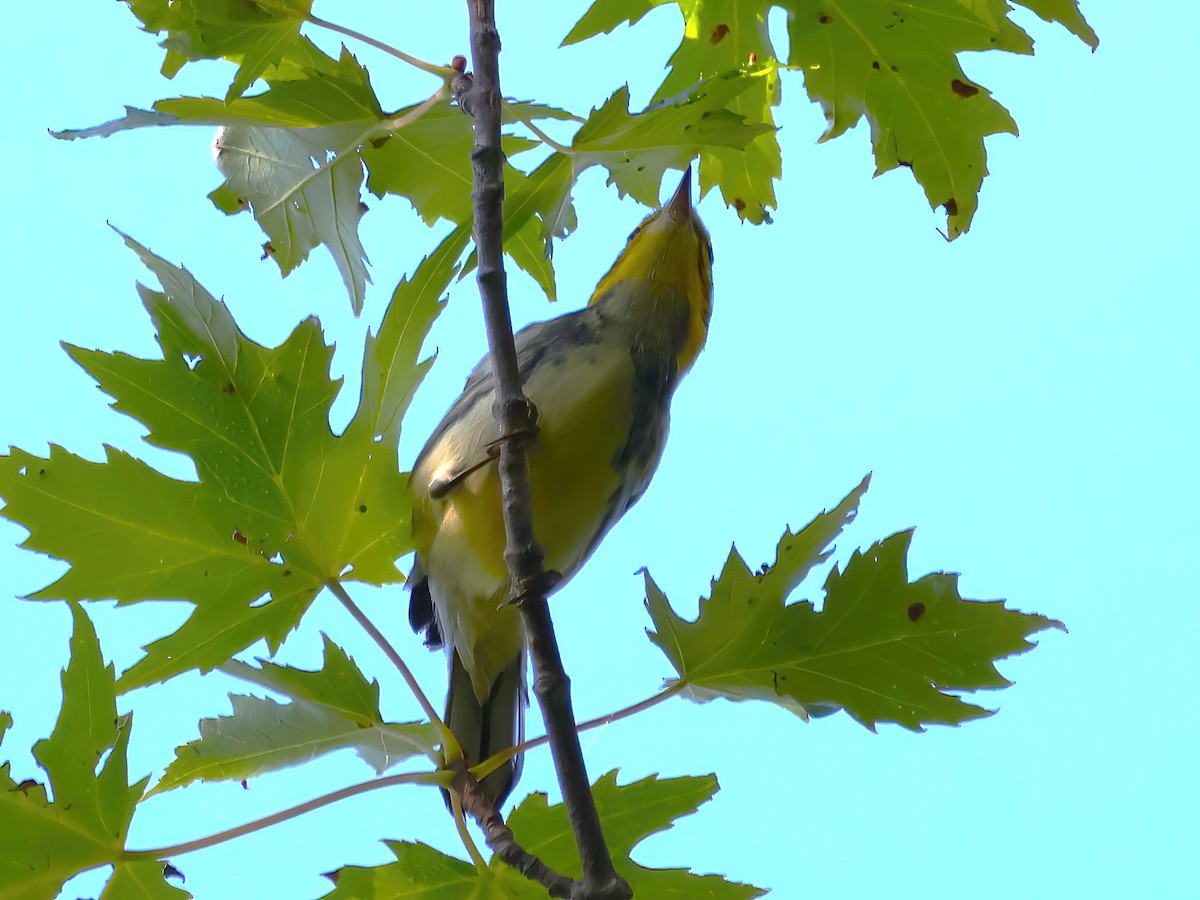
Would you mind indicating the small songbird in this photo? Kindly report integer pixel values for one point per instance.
(601, 378)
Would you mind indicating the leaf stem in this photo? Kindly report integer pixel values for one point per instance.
(405, 672)
(443, 72)
(515, 110)
(275, 818)
(492, 763)
(460, 822)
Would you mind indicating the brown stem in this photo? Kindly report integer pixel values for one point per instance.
(518, 419)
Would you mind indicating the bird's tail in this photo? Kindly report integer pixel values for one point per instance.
(484, 729)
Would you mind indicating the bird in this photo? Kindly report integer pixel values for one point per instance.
(601, 379)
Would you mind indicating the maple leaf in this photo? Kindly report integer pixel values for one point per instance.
(291, 156)
(429, 163)
(281, 505)
(255, 34)
(721, 37)
(894, 63)
(881, 648)
(80, 818)
(331, 709)
(629, 814)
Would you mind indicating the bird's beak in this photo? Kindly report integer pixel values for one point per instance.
(679, 207)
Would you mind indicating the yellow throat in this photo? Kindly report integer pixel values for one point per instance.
(668, 260)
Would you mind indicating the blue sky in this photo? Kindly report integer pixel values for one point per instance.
(1026, 397)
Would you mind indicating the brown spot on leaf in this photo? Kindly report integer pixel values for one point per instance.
(951, 206)
(824, 18)
(268, 250)
(875, 65)
(718, 34)
(916, 611)
(229, 388)
(739, 204)
(240, 538)
(362, 508)
(962, 89)
(753, 58)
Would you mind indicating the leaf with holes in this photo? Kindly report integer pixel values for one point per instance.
(893, 63)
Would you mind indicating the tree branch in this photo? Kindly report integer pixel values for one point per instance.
(518, 423)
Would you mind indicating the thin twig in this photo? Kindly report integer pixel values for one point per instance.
(515, 109)
(517, 420)
(274, 819)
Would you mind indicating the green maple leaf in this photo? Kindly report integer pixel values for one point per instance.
(256, 34)
(728, 36)
(291, 156)
(1065, 13)
(721, 37)
(281, 506)
(44, 839)
(429, 163)
(637, 149)
(629, 813)
(895, 64)
(881, 648)
(141, 880)
(300, 201)
(421, 872)
(331, 709)
(892, 62)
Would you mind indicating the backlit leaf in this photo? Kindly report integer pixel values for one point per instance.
(79, 819)
(881, 648)
(281, 505)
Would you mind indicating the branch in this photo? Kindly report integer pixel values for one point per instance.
(517, 419)
(504, 844)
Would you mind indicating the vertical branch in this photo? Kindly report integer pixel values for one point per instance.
(518, 423)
